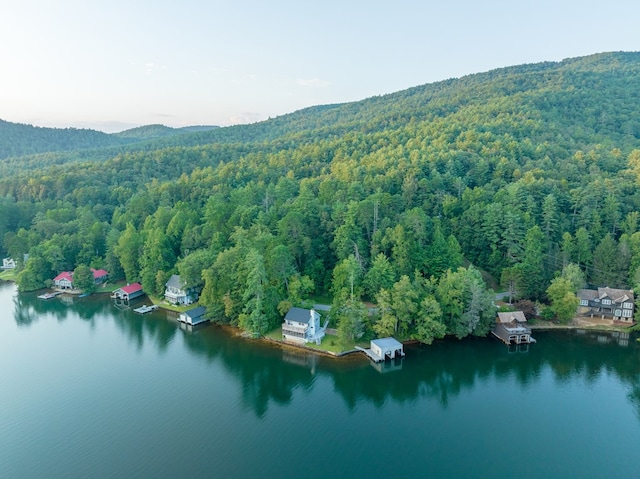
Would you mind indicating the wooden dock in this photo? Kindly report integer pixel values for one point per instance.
(373, 356)
(47, 296)
(146, 309)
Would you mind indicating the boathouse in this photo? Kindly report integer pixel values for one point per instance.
(302, 326)
(128, 292)
(510, 328)
(193, 316)
(383, 348)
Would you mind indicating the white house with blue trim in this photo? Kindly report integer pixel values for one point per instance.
(302, 326)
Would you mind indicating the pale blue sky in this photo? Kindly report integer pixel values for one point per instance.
(123, 63)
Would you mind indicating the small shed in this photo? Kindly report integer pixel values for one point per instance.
(193, 316)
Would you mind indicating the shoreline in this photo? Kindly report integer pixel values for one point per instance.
(578, 323)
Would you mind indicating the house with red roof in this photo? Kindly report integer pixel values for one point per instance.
(64, 280)
(99, 275)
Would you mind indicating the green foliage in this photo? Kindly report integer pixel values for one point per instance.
(83, 279)
(467, 306)
(564, 301)
(518, 172)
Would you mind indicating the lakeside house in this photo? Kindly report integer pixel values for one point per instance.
(128, 292)
(303, 326)
(617, 304)
(382, 348)
(177, 291)
(193, 316)
(8, 263)
(100, 276)
(64, 280)
(511, 328)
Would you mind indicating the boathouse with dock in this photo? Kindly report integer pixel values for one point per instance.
(510, 328)
(383, 348)
(128, 292)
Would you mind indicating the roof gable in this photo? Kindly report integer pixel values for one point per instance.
(99, 273)
(299, 315)
(511, 316)
(196, 312)
(131, 288)
(616, 295)
(64, 275)
(175, 282)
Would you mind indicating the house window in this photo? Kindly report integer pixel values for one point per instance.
(628, 305)
(606, 301)
(597, 300)
(626, 313)
(618, 312)
(584, 302)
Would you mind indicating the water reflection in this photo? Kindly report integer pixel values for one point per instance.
(267, 374)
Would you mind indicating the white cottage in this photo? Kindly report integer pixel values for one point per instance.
(8, 263)
(302, 326)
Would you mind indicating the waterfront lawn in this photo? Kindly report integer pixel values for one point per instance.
(109, 287)
(330, 343)
(9, 275)
(164, 304)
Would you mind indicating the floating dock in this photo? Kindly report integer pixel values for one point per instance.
(46, 296)
(146, 309)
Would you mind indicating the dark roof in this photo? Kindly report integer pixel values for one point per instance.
(299, 315)
(588, 294)
(196, 312)
(175, 282)
(617, 295)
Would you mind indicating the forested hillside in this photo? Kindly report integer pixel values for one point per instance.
(522, 173)
(20, 140)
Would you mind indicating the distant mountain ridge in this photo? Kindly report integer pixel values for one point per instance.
(577, 94)
(147, 132)
(17, 139)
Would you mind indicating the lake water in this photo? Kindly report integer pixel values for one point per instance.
(89, 390)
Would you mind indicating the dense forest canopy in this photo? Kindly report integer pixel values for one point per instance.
(411, 200)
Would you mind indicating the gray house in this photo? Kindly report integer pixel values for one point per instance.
(302, 326)
(177, 292)
(616, 304)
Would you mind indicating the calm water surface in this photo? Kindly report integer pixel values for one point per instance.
(88, 390)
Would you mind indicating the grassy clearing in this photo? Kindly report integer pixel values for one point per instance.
(166, 305)
(9, 275)
(109, 287)
(330, 343)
